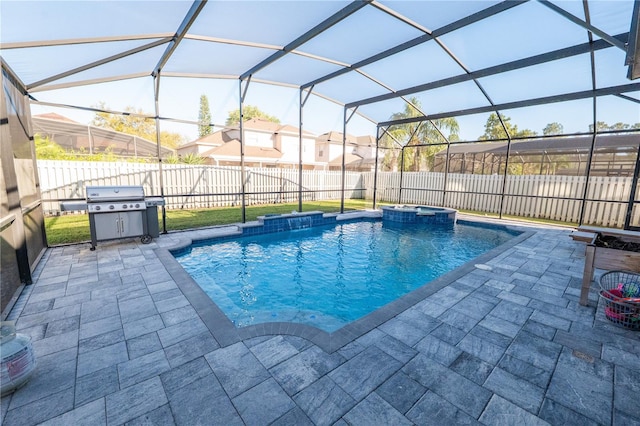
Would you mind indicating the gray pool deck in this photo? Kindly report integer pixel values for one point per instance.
(120, 339)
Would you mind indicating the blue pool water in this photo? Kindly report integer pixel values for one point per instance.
(328, 277)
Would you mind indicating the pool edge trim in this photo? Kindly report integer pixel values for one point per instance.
(226, 333)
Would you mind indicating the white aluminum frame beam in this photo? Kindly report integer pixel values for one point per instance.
(188, 20)
(318, 29)
(97, 63)
(614, 90)
(488, 12)
(497, 69)
(603, 35)
(87, 40)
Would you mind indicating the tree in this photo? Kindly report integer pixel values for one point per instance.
(554, 128)
(191, 158)
(249, 112)
(135, 123)
(390, 159)
(204, 117)
(170, 139)
(620, 126)
(132, 123)
(419, 133)
(601, 126)
(46, 149)
(493, 129)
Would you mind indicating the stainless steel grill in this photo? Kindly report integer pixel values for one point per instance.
(115, 198)
(119, 212)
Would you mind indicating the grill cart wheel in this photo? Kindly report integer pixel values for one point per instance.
(146, 239)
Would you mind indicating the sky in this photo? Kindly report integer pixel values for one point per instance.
(501, 38)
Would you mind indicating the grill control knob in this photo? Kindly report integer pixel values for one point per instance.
(97, 207)
(111, 207)
(124, 206)
(137, 206)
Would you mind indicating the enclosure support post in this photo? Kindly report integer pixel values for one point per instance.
(243, 94)
(583, 208)
(446, 176)
(632, 195)
(593, 137)
(375, 170)
(156, 96)
(344, 153)
(401, 174)
(506, 163)
(303, 101)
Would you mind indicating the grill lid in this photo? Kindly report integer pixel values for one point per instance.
(97, 194)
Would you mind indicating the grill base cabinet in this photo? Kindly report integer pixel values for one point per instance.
(118, 225)
(111, 226)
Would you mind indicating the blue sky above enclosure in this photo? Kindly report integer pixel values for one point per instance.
(228, 38)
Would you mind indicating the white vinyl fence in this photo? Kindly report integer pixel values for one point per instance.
(189, 186)
(556, 198)
(185, 186)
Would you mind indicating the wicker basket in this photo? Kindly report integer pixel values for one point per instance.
(621, 294)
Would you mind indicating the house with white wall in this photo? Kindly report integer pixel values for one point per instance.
(287, 140)
(266, 144)
(360, 151)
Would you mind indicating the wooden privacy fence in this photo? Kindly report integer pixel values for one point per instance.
(192, 186)
(557, 198)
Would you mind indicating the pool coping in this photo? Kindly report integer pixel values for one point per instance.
(226, 333)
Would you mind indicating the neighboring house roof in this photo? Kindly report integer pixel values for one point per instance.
(232, 149)
(336, 137)
(264, 125)
(214, 139)
(258, 124)
(366, 140)
(56, 117)
(350, 159)
(287, 128)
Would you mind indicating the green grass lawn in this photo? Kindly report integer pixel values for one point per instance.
(75, 228)
(520, 218)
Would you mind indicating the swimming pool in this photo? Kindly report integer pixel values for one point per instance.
(329, 276)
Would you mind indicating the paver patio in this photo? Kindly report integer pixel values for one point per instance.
(119, 340)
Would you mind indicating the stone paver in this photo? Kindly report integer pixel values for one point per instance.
(135, 400)
(121, 340)
(263, 403)
(202, 402)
